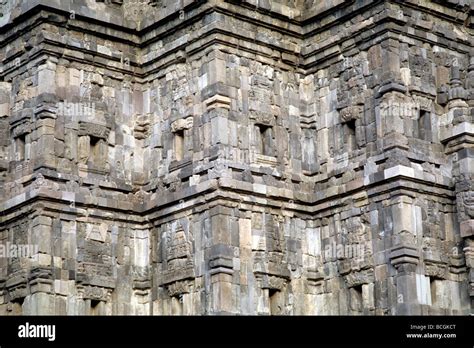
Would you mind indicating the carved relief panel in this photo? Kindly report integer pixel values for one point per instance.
(175, 253)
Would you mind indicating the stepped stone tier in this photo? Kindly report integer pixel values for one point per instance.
(236, 157)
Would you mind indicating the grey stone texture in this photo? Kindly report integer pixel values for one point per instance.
(237, 157)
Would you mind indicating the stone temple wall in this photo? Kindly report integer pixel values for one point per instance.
(236, 157)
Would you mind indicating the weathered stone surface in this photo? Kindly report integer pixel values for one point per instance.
(302, 157)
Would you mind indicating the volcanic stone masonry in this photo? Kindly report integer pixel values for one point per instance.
(236, 157)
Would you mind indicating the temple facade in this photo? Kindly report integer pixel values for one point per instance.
(284, 157)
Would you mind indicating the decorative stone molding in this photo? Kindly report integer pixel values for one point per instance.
(269, 281)
(401, 254)
(457, 263)
(262, 118)
(93, 129)
(221, 264)
(436, 270)
(181, 124)
(356, 278)
(142, 127)
(179, 288)
(456, 91)
(351, 113)
(270, 265)
(22, 128)
(423, 102)
(141, 285)
(314, 274)
(97, 293)
(217, 101)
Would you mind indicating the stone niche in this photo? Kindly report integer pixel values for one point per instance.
(20, 132)
(175, 252)
(181, 130)
(93, 147)
(95, 256)
(176, 279)
(271, 270)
